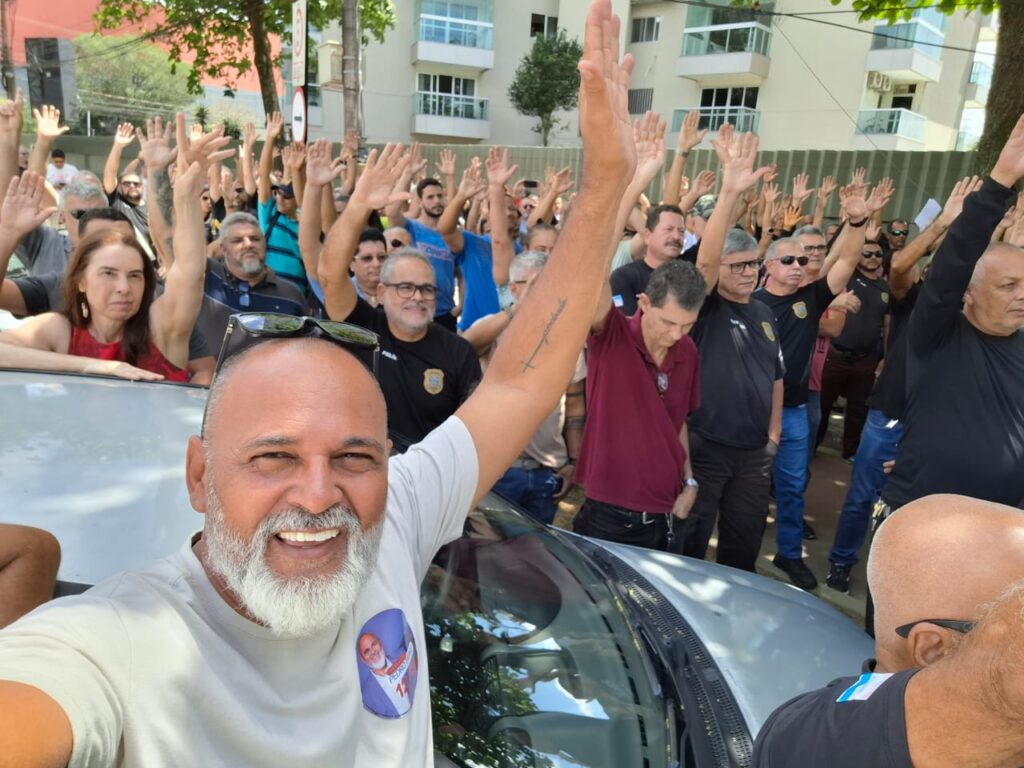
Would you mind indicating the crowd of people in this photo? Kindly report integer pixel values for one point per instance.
(679, 361)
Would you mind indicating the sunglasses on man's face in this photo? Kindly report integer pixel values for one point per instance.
(284, 196)
(396, 243)
(871, 254)
(963, 627)
(787, 261)
(250, 328)
(898, 232)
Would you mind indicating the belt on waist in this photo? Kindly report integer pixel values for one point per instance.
(526, 463)
(849, 354)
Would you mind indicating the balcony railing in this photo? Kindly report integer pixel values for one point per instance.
(896, 122)
(981, 74)
(742, 118)
(910, 34)
(441, 29)
(966, 141)
(450, 105)
(745, 37)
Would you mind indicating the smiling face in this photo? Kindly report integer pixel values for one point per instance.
(113, 282)
(409, 317)
(371, 651)
(293, 482)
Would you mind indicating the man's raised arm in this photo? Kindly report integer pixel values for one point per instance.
(538, 353)
(320, 173)
(373, 191)
(850, 242)
(448, 225)
(125, 135)
(275, 124)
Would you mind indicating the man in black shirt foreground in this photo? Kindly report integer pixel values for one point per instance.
(735, 433)
(426, 372)
(796, 311)
(884, 426)
(964, 419)
(946, 688)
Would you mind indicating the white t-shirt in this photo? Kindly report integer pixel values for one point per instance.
(63, 175)
(154, 669)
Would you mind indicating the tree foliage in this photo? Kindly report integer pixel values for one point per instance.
(547, 80)
(901, 11)
(125, 78)
(228, 38)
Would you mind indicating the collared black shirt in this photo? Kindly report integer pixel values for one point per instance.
(890, 393)
(740, 361)
(628, 282)
(862, 332)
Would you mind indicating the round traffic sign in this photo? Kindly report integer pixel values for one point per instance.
(299, 116)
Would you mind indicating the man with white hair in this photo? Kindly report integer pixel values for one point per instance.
(944, 687)
(964, 417)
(242, 649)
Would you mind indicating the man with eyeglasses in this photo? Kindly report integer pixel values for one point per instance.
(896, 234)
(427, 372)
(125, 191)
(797, 311)
(371, 253)
(853, 356)
(945, 686)
(735, 433)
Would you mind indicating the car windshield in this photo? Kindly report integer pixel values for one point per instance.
(532, 661)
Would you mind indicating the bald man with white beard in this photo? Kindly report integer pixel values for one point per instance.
(946, 686)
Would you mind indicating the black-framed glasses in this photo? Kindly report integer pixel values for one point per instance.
(815, 249)
(788, 260)
(396, 243)
(408, 290)
(77, 213)
(963, 627)
(871, 254)
(739, 267)
(898, 232)
(247, 329)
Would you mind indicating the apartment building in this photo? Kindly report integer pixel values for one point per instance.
(816, 81)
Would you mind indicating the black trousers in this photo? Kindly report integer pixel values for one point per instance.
(734, 484)
(853, 379)
(612, 523)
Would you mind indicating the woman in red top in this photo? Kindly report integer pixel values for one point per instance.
(112, 324)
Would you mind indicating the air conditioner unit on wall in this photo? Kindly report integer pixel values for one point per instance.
(330, 64)
(878, 81)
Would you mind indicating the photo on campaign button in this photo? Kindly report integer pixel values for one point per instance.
(388, 667)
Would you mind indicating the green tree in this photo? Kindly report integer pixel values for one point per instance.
(547, 80)
(1006, 95)
(218, 35)
(125, 78)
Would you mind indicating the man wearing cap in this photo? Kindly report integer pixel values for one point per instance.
(663, 238)
(279, 214)
(696, 219)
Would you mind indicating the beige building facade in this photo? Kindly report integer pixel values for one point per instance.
(822, 81)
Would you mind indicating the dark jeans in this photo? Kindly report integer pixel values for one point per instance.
(813, 423)
(612, 523)
(734, 490)
(877, 445)
(853, 379)
(532, 489)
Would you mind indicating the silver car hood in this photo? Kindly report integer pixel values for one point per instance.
(67, 458)
(770, 640)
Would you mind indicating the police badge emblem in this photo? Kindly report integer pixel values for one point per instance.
(800, 309)
(433, 380)
(768, 330)
(885, 297)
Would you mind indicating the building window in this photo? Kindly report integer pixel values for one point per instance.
(729, 97)
(456, 86)
(449, 96)
(543, 25)
(645, 30)
(903, 96)
(640, 100)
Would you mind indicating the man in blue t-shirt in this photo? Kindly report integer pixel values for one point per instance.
(279, 215)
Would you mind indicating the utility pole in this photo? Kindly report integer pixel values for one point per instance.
(6, 66)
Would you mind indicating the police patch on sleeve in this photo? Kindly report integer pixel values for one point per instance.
(388, 665)
(433, 380)
(768, 330)
(800, 309)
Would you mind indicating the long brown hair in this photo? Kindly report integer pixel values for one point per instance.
(135, 339)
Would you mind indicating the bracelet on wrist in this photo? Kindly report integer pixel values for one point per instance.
(857, 224)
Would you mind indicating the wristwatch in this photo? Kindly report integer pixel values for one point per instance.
(691, 482)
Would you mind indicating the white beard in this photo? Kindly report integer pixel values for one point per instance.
(301, 606)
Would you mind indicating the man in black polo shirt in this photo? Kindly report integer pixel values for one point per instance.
(124, 191)
(853, 356)
(663, 237)
(945, 688)
(735, 433)
(964, 418)
(426, 372)
(797, 311)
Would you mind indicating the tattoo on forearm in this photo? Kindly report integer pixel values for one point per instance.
(528, 364)
(164, 196)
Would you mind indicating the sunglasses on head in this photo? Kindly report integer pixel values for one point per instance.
(963, 627)
(251, 328)
(788, 260)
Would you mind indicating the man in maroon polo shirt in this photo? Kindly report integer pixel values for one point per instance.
(643, 380)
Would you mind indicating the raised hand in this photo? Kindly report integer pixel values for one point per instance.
(320, 169)
(471, 182)
(603, 112)
(769, 191)
(872, 231)
(1009, 168)
(376, 186)
(854, 205)
(125, 135)
(704, 183)
(249, 136)
(791, 217)
(417, 162)
(20, 212)
(800, 189)
(195, 158)
(498, 170)
(857, 186)
(828, 186)
(196, 132)
(649, 139)
(955, 202)
(156, 150)
(736, 154)
(350, 146)
(11, 115)
(881, 194)
(275, 124)
(689, 136)
(48, 122)
(773, 173)
(446, 165)
(298, 154)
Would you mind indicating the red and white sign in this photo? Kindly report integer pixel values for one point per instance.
(299, 116)
(299, 43)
